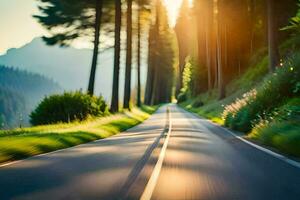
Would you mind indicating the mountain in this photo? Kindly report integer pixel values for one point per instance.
(70, 67)
(20, 92)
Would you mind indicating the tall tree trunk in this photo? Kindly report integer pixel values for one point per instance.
(156, 74)
(252, 5)
(99, 4)
(272, 37)
(139, 103)
(221, 52)
(208, 41)
(127, 91)
(149, 85)
(117, 49)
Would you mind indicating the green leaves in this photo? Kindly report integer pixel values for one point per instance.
(68, 107)
(66, 20)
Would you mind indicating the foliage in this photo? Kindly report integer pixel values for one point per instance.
(194, 78)
(182, 97)
(68, 107)
(198, 83)
(187, 77)
(22, 143)
(276, 88)
(235, 114)
(20, 91)
(254, 74)
(68, 21)
(281, 129)
(161, 60)
(197, 103)
(294, 22)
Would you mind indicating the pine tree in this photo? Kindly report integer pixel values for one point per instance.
(68, 21)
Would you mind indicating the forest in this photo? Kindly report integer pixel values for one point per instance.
(244, 73)
(235, 62)
(203, 101)
(21, 91)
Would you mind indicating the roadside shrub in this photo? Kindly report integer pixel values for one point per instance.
(68, 107)
(182, 97)
(281, 129)
(236, 115)
(197, 103)
(276, 88)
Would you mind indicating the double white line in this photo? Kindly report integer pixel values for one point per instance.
(147, 194)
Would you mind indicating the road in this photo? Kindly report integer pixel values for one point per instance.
(200, 161)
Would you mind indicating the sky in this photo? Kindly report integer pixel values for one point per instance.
(18, 27)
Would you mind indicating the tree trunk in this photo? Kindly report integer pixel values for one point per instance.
(208, 41)
(149, 85)
(99, 4)
(127, 91)
(139, 103)
(221, 52)
(156, 75)
(117, 49)
(272, 37)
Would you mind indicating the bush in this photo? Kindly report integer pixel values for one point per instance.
(68, 107)
(281, 129)
(182, 97)
(278, 87)
(197, 103)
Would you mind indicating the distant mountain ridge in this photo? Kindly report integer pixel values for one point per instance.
(20, 92)
(69, 67)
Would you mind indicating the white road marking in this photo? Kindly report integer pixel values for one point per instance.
(147, 194)
(258, 147)
(268, 151)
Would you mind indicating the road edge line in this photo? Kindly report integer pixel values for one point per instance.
(279, 156)
(256, 146)
(265, 150)
(149, 189)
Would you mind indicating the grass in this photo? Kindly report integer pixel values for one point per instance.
(283, 130)
(282, 135)
(278, 124)
(212, 108)
(22, 143)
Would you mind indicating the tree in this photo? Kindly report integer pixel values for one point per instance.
(127, 89)
(272, 37)
(117, 49)
(68, 21)
(221, 48)
(161, 59)
(139, 101)
(182, 30)
(97, 24)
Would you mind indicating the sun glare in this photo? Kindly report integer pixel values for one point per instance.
(173, 7)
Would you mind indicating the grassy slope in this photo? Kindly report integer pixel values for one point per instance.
(21, 143)
(282, 134)
(213, 108)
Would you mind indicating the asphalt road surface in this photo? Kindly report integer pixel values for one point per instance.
(171, 156)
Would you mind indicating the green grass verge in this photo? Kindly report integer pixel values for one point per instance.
(22, 143)
(212, 108)
(282, 135)
(278, 127)
(282, 131)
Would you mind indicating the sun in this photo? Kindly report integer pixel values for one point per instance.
(173, 7)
